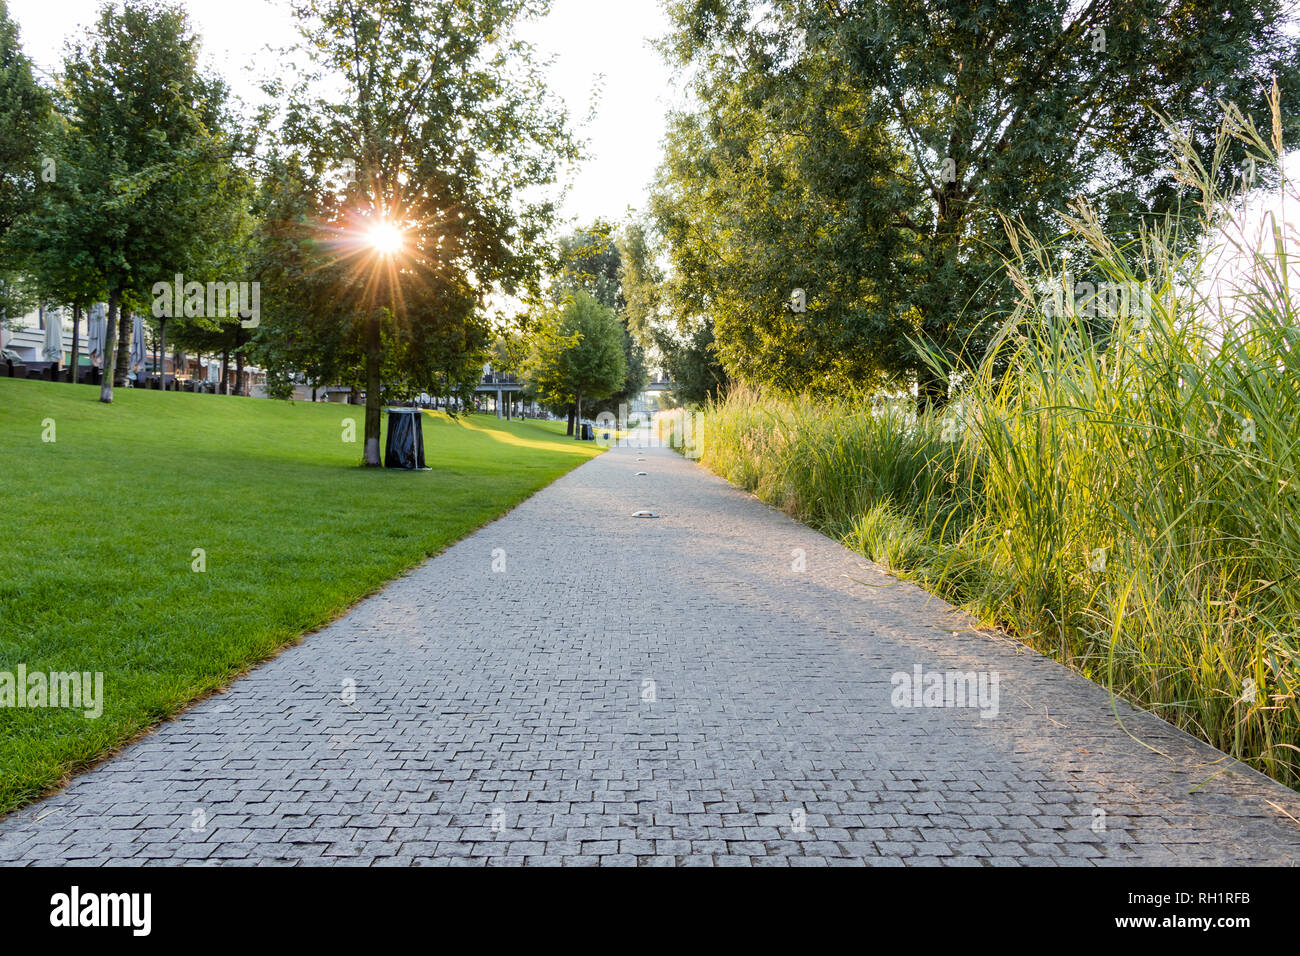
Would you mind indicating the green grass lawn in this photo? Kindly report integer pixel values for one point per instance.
(99, 530)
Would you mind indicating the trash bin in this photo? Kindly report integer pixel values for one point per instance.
(405, 446)
(588, 433)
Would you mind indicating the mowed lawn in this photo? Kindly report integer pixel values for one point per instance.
(99, 529)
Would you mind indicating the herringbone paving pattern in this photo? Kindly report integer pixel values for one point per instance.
(720, 685)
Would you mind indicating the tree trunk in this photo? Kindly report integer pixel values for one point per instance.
(239, 372)
(578, 418)
(570, 431)
(123, 363)
(225, 371)
(373, 355)
(110, 350)
(76, 344)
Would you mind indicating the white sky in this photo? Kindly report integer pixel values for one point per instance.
(588, 38)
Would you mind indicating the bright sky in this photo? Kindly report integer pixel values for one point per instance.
(588, 38)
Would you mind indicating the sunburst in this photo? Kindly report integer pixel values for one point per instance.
(386, 238)
(385, 254)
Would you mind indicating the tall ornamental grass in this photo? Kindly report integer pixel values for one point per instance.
(1116, 481)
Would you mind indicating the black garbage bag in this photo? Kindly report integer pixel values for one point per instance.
(405, 446)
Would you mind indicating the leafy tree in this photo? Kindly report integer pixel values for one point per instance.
(443, 349)
(48, 240)
(24, 120)
(445, 120)
(636, 376)
(229, 248)
(307, 325)
(310, 323)
(141, 163)
(691, 361)
(530, 351)
(640, 281)
(836, 194)
(577, 352)
(682, 344)
(590, 262)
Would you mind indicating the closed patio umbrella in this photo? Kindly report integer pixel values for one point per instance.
(138, 354)
(96, 333)
(53, 319)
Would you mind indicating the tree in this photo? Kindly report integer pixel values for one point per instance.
(636, 375)
(443, 349)
(683, 345)
(445, 121)
(24, 123)
(47, 240)
(640, 281)
(228, 249)
(142, 160)
(310, 325)
(577, 353)
(835, 198)
(307, 325)
(590, 262)
(691, 361)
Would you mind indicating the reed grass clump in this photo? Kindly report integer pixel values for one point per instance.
(1116, 481)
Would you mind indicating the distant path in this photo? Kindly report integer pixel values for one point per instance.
(500, 717)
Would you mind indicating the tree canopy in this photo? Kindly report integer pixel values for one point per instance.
(143, 160)
(444, 136)
(577, 352)
(833, 198)
(24, 129)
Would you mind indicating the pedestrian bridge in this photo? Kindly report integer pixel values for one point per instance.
(505, 387)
